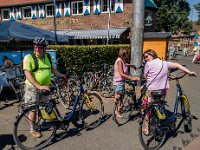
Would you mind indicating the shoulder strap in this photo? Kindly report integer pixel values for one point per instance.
(35, 62)
(49, 57)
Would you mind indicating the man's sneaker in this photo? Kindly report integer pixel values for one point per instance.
(35, 134)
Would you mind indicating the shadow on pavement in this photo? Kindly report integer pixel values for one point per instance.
(173, 134)
(74, 131)
(7, 139)
(104, 119)
(7, 104)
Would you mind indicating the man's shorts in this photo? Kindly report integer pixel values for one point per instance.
(32, 96)
(120, 88)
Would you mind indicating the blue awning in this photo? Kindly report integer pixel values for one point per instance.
(114, 33)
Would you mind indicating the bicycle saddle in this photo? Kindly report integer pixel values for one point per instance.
(157, 94)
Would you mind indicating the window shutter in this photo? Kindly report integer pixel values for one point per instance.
(33, 12)
(118, 6)
(96, 7)
(18, 13)
(41, 11)
(67, 8)
(58, 9)
(86, 7)
(12, 14)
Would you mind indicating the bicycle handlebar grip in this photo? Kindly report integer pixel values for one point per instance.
(46, 93)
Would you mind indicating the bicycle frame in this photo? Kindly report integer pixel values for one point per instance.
(179, 94)
(70, 114)
(82, 92)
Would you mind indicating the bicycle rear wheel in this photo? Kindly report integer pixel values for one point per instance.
(125, 110)
(92, 110)
(185, 108)
(21, 130)
(154, 139)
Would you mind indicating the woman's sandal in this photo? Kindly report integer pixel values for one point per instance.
(119, 115)
(145, 131)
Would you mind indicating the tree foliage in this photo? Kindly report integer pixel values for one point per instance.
(197, 7)
(172, 16)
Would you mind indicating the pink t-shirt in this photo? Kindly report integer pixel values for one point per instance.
(152, 69)
(117, 78)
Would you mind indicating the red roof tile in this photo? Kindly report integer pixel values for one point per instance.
(4, 3)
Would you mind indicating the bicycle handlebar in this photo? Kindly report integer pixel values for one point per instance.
(178, 77)
(45, 92)
(134, 83)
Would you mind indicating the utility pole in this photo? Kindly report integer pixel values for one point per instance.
(54, 22)
(137, 35)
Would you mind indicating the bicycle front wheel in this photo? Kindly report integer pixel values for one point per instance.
(125, 110)
(185, 108)
(92, 110)
(22, 127)
(150, 136)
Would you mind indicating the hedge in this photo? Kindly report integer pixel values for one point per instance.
(79, 58)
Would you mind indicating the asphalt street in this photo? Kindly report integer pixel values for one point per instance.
(108, 136)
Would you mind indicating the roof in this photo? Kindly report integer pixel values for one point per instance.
(5, 3)
(93, 33)
(103, 33)
(157, 35)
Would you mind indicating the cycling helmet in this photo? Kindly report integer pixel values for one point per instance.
(40, 41)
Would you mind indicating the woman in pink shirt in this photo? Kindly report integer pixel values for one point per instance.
(156, 74)
(121, 73)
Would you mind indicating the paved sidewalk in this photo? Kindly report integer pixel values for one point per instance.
(194, 145)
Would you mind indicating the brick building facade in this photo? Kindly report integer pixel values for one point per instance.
(77, 15)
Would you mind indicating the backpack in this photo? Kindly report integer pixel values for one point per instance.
(36, 62)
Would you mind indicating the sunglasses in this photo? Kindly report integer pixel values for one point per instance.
(146, 56)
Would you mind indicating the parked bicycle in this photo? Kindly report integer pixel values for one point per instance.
(14, 83)
(49, 119)
(160, 122)
(64, 90)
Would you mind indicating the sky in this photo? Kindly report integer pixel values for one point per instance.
(193, 12)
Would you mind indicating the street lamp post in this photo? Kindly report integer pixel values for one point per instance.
(137, 30)
(109, 13)
(54, 22)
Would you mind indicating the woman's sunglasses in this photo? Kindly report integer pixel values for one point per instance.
(146, 56)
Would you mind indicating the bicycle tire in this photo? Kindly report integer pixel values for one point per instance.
(185, 108)
(21, 130)
(154, 136)
(125, 110)
(92, 110)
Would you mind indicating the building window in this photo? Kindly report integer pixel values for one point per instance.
(50, 10)
(5, 14)
(105, 5)
(77, 8)
(26, 12)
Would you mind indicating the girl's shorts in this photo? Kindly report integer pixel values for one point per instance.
(120, 88)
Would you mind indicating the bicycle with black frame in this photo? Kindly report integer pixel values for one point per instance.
(130, 103)
(159, 122)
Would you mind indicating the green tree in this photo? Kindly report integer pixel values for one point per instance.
(197, 7)
(172, 16)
